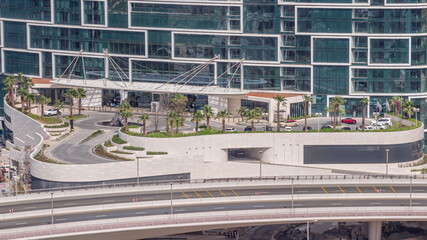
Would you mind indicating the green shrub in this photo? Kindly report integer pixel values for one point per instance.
(133, 148)
(77, 117)
(99, 150)
(65, 124)
(133, 126)
(43, 158)
(117, 140)
(108, 143)
(121, 152)
(92, 136)
(156, 153)
(44, 119)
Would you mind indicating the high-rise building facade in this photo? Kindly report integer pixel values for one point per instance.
(352, 48)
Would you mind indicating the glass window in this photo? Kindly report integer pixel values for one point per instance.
(94, 12)
(331, 50)
(26, 63)
(389, 51)
(324, 20)
(330, 79)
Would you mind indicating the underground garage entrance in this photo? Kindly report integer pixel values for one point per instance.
(245, 154)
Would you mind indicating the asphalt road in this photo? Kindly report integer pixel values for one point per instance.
(206, 193)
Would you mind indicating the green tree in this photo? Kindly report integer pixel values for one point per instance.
(197, 117)
(125, 111)
(395, 102)
(143, 118)
(29, 98)
(242, 112)
(329, 110)
(10, 83)
(252, 115)
(59, 105)
(24, 85)
(279, 101)
(71, 94)
(364, 102)
(172, 117)
(408, 108)
(81, 93)
(336, 103)
(208, 112)
(223, 114)
(178, 103)
(307, 101)
(42, 100)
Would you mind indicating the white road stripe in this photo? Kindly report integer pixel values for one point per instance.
(416, 203)
(219, 208)
(30, 207)
(302, 191)
(376, 203)
(62, 219)
(68, 204)
(258, 206)
(21, 223)
(109, 201)
(180, 210)
(336, 203)
(101, 216)
(140, 212)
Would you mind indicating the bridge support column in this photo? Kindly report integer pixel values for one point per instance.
(375, 230)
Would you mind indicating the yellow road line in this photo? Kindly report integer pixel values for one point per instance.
(358, 189)
(200, 196)
(324, 190)
(183, 193)
(376, 190)
(223, 194)
(341, 189)
(234, 192)
(392, 189)
(210, 194)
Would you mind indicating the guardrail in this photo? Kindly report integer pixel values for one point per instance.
(226, 180)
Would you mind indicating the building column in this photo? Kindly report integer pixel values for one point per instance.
(375, 230)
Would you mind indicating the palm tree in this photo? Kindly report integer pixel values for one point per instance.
(208, 112)
(172, 116)
(279, 101)
(24, 83)
(329, 109)
(307, 101)
(29, 98)
(253, 115)
(336, 103)
(71, 93)
(197, 117)
(408, 108)
(242, 112)
(10, 83)
(125, 111)
(364, 103)
(143, 118)
(22, 92)
(223, 114)
(178, 103)
(395, 102)
(81, 93)
(42, 100)
(59, 105)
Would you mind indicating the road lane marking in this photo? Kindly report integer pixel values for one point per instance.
(30, 207)
(234, 193)
(392, 189)
(376, 203)
(108, 200)
(341, 189)
(180, 210)
(185, 195)
(210, 194)
(23, 223)
(324, 190)
(61, 219)
(200, 196)
(335, 204)
(69, 204)
(375, 189)
(302, 191)
(140, 212)
(258, 206)
(358, 189)
(421, 190)
(101, 216)
(219, 207)
(223, 194)
(416, 203)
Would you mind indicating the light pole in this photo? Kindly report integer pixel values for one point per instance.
(308, 230)
(171, 198)
(260, 164)
(386, 161)
(292, 193)
(51, 207)
(137, 171)
(410, 191)
(376, 114)
(416, 110)
(318, 115)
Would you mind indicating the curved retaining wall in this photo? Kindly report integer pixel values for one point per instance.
(290, 148)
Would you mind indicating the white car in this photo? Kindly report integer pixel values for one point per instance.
(51, 112)
(288, 129)
(231, 130)
(385, 122)
(378, 126)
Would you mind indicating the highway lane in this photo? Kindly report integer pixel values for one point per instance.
(204, 193)
(197, 208)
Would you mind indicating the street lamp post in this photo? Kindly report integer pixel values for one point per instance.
(318, 115)
(260, 164)
(171, 199)
(292, 193)
(416, 110)
(410, 191)
(137, 171)
(376, 114)
(51, 207)
(386, 162)
(308, 230)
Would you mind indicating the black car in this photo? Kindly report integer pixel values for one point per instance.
(346, 128)
(308, 128)
(249, 129)
(325, 127)
(268, 128)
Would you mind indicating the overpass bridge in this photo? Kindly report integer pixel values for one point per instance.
(132, 212)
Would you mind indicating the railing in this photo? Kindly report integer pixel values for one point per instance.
(226, 180)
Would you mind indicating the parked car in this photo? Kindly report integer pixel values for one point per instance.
(268, 128)
(386, 122)
(326, 126)
(51, 112)
(349, 120)
(367, 128)
(239, 153)
(249, 129)
(308, 128)
(346, 128)
(231, 130)
(378, 126)
(289, 123)
(288, 129)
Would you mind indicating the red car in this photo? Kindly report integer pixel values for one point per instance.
(349, 120)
